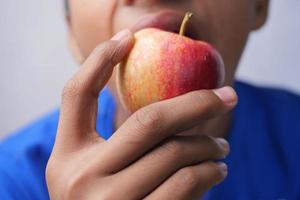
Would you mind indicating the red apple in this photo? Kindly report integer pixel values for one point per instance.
(163, 65)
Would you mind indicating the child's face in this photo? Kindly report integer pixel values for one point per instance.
(223, 23)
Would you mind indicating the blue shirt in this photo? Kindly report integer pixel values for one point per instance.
(264, 162)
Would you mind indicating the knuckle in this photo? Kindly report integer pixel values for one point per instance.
(71, 89)
(50, 171)
(205, 102)
(108, 193)
(200, 97)
(149, 118)
(67, 184)
(107, 51)
(105, 47)
(173, 147)
(73, 185)
(189, 176)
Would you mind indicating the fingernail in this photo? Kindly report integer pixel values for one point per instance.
(224, 145)
(226, 94)
(121, 35)
(223, 167)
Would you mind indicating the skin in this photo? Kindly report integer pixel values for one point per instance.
(165, 139)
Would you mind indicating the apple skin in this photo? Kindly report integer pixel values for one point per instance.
(164, 65)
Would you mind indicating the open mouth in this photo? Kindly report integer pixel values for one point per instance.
(167, 21)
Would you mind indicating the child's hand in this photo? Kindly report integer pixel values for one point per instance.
(144, 158)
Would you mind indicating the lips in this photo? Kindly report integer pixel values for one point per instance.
(168, 21)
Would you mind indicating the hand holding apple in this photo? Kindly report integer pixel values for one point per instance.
(73, 171)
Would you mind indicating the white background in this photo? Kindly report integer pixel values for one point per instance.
(35, 61)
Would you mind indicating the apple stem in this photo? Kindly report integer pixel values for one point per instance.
(186, 18)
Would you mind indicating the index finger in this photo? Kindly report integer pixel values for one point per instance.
(79, 100)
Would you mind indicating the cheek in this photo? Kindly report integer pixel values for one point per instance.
(91, 22)
(231, 22)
